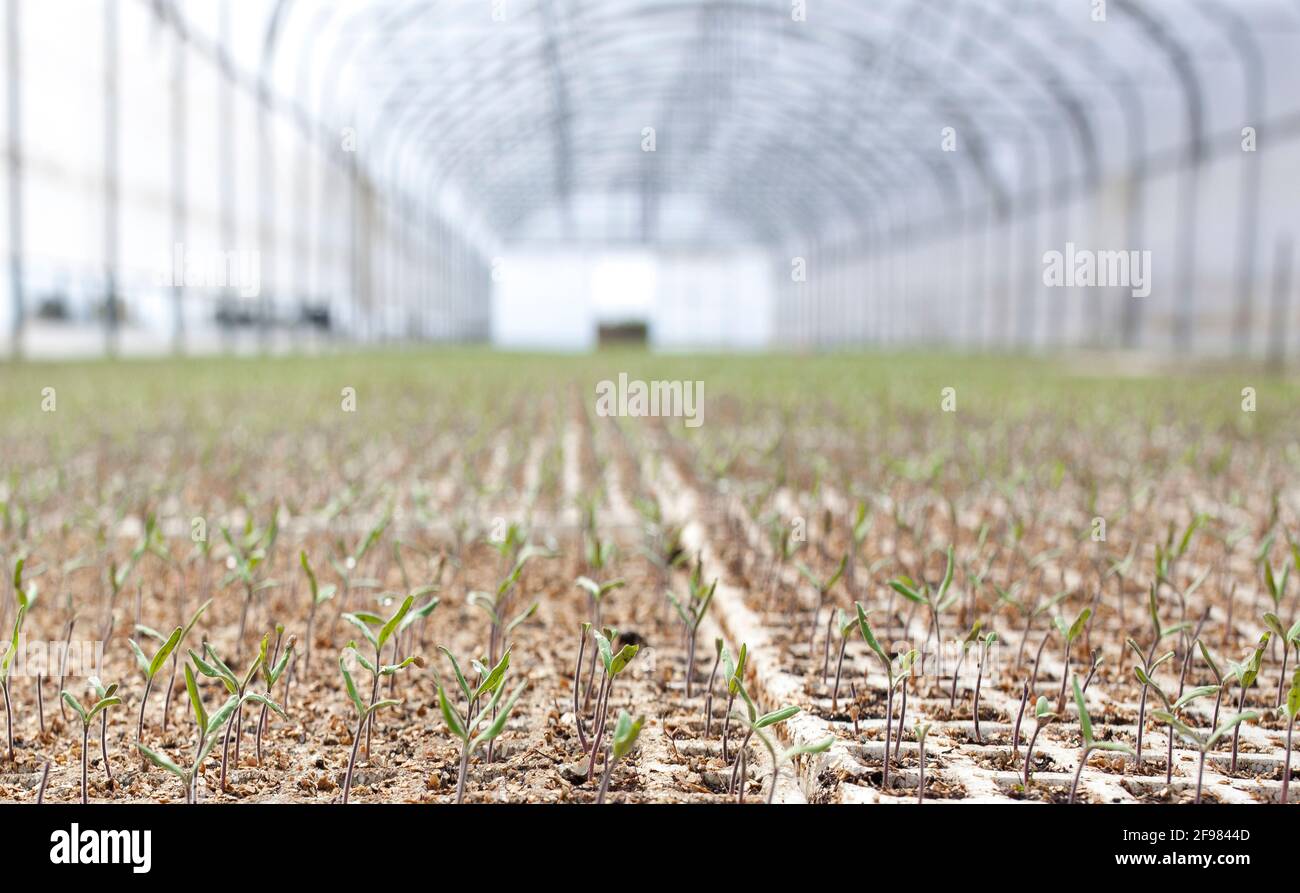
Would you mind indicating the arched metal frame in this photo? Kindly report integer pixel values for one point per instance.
(520, 120)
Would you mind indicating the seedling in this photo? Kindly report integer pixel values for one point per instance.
(345, 562)
(1069, 634)
(1148, 661)
(106, 700)
(28, 594)
(63, 660)
(176, 653)
(1172, 706)
(1201, 741)
(272, 668)
(847, 624)
(865, 629)
(465, 726)
(1144, 669)
(937, 601)
(708, 693)
(858, 531)
(388, 627)
(906, 669)
(784, 547)
(1221, 680)
(692, 613)
(822, 588)
(150, 666)
(988, 642)
(626, 731)
(6, 662)
(248, 557)
(755, 726)
(118, 576)
(209, 731)
(1030, 612)
(1288, 637)
(319, 596)
(1291, 708)
(1089, 743)
(1167, 557)
(577, 678)
(598, 553)
(613, 664)
(366, 711)
(596, 593)
(101, 692)
(1020, 715)
(509, 545)
(1097, 660)
(1246, 672)
(781, 757)
(663, 542)
(496, 606)
(214, 668)
(734, 679)
(922, 729)
(417, 614)
(1043, 715)
(970, 639)
(45, 780)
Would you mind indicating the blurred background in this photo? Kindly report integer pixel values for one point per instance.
(263, 175)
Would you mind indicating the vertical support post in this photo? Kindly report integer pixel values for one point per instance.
(266, 213)
(226, 156)
(111, 185)
(15, 120)
(1281, 303)
(178, 172)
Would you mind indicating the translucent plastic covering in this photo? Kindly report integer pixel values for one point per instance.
(917, 159)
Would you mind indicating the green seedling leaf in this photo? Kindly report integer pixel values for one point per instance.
(626, 731)
(1079, 623)
(380, 705)
(450, 716)
(906, 591)
(350, 684)
(460, 677)
(141, 660)
(393, 622)
(101, 705)
(1113, 746)
(163, 762)
(1194, 694)
(947, 579)
(604, 650)
(622, 659)
(819, 747)
(775, 716)
(164, 652)
(75, 705)
(865, 628)
(360, 622)
(196, 700)
(1228, 725)
(1292, 705)
(1209, 661)
(421, 612)
(521, 618)
(494, 678)
(1085, 721)
(256, 698)
(499, 724)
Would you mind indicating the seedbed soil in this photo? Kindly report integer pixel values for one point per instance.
(445, 450)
